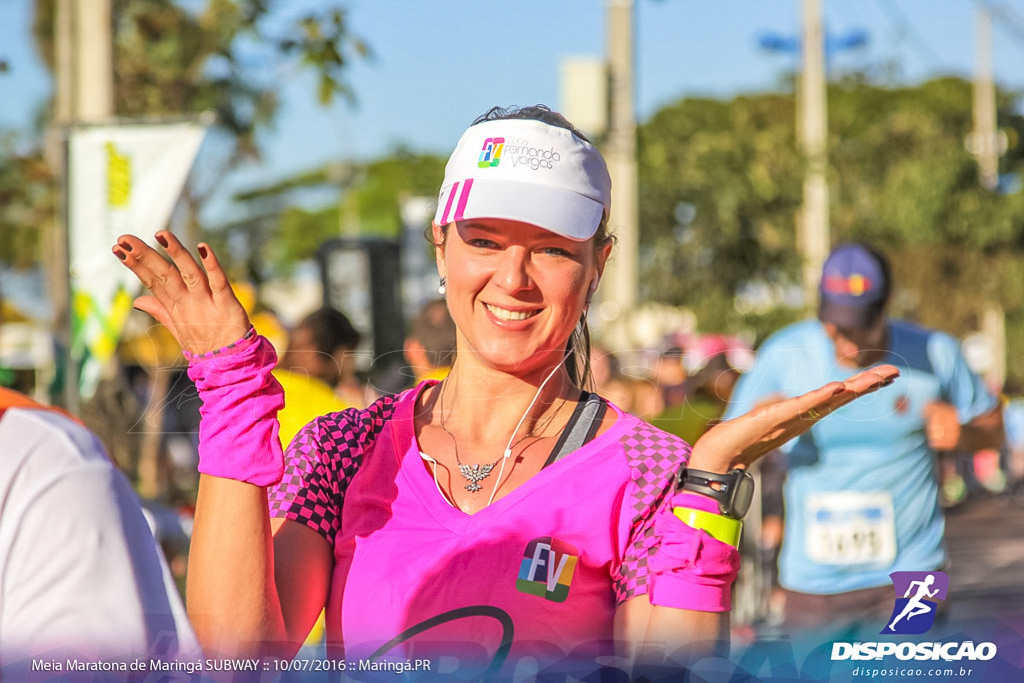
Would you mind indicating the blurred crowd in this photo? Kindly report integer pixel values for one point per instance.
(684, 388)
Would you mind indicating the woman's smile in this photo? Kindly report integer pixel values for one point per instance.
(506, 314)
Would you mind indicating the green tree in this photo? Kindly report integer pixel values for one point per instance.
(366, 201)
(225, 56)
(27, 204)
(721, 184)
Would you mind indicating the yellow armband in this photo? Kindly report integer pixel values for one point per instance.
(725, 529)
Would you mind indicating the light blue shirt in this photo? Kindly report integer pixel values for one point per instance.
(1013, 420)
(874, 448)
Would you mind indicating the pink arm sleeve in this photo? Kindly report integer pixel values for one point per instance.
(691, 569)
(238, 430)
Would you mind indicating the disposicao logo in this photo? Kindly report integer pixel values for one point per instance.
(547, 569)
(917, 594)
(490, 154)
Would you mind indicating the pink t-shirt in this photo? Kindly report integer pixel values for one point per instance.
(538, 573)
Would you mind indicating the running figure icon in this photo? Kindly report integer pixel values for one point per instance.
(915, 606)
(917, 595)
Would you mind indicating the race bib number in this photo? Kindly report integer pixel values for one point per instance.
(851, 528)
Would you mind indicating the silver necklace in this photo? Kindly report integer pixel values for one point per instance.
(474, 474)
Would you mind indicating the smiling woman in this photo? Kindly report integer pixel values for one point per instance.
(515, 291)
(505, 513)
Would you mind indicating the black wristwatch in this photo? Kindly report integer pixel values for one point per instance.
(734, 493)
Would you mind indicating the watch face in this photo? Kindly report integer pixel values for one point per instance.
(742, 494)
(734, 494)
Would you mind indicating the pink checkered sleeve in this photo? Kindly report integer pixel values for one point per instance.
(321, 460)
(653, 457)
(670, 562)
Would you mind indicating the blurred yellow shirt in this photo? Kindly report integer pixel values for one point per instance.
(305, 398)
(437, 373)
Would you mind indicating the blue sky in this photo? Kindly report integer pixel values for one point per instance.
(439, 63)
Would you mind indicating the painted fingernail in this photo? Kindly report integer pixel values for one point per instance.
(162, 240)
(202, 250)
(126, 246)
(120, 254)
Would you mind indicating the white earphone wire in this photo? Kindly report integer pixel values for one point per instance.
(508, 447)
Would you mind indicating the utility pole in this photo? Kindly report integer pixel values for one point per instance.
(63, 46)
(619, 290)
(812, 240)
(812, 122)
(83, 48)
(84, 93)
(987, 145)
(94, 72)
(984, 142)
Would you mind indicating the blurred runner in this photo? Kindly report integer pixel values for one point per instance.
(318, 359)
(670, 376)
(606, 373)
(1013, 416)
(430, 348)
(710, 377)
(861, 494)
(428, 351)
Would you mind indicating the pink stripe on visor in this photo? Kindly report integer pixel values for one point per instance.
(463, 198)
(448, 205)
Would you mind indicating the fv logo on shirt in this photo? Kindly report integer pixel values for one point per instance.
(547, 569)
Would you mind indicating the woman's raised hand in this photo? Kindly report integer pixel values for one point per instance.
(741, 441)
(197, 306)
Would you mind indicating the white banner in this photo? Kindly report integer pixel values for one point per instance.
(121, 179)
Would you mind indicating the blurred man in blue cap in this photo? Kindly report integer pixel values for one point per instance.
(861, 495)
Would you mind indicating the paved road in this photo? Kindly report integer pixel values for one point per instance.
(986, 546)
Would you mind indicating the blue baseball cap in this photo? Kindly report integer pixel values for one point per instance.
(854, 287)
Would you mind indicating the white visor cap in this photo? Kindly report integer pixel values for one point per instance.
(529, 171)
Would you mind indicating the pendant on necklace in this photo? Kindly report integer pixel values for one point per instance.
(475, 473)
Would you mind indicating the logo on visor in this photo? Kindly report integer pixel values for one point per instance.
(915, 611)
(547, 569)
(490, 155)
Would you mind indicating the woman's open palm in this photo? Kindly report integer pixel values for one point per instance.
(741, 441)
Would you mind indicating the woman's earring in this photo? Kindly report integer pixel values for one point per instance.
(442, 288)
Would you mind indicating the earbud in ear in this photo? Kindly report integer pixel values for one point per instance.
(592, 289)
